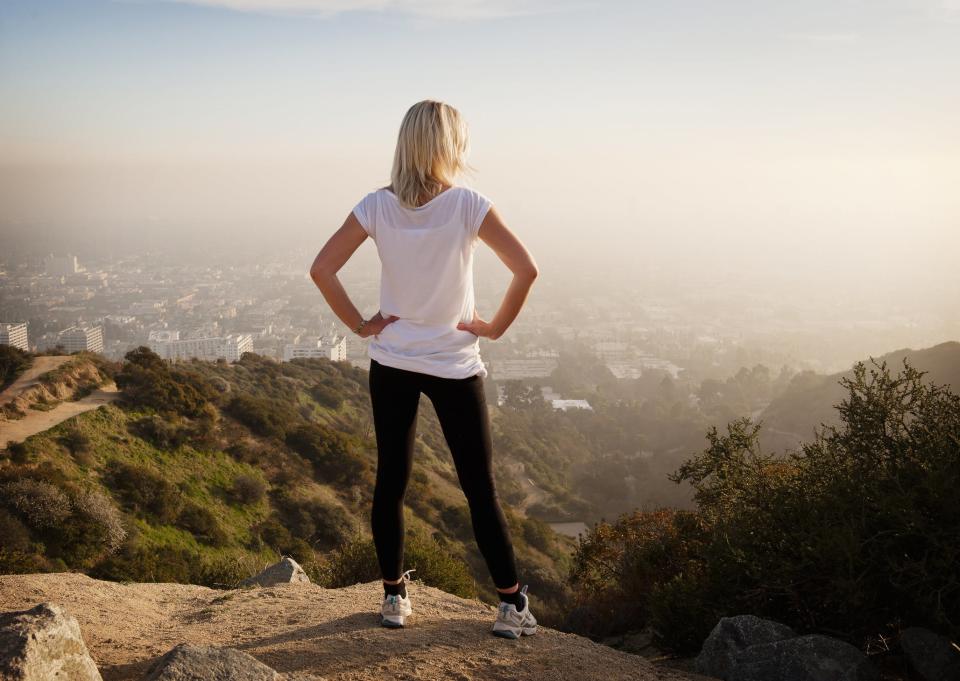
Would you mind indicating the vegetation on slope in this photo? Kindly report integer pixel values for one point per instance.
(205, 472)
(854, 534)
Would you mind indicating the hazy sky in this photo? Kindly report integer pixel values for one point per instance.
(818, 138)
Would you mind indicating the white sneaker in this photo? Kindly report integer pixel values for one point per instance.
(511, 623)
(396, 609)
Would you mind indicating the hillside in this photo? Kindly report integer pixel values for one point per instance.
(205, 472)
(809, 399)
(310, 634)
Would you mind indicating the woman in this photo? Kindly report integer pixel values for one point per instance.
(426, 339)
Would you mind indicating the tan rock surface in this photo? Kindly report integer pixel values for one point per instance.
(307, 632)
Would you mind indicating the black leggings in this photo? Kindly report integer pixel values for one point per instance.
(461, 408)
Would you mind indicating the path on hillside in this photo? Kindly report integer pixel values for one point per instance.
(313, 634)
(28, 378)
(38, 421)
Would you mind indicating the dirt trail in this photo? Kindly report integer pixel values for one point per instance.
(28, 378)
(38, 421)
(311, 634)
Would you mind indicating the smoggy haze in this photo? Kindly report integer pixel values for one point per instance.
(808, 146)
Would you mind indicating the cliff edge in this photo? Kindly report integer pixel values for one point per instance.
(308, 633)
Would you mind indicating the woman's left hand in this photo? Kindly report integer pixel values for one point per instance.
(375, 325)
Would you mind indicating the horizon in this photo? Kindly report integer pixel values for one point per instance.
(809, 154)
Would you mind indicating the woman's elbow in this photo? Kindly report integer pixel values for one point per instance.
(319, 273)
(530, 271)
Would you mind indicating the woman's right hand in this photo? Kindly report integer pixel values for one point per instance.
(376, 324)
(479, 327)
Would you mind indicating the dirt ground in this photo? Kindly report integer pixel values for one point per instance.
(28, 378)
(309, 633)
(38, 421)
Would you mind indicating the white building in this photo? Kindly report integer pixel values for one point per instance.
(169, 345)
(77, 338)
(233, 346)
(329, 347)
(14, 334)
(571, 404)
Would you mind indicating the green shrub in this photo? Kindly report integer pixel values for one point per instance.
(142, 491)
(857, 530)
(538, 534)
(139, 563)
(334, 455)
(18, 554)
(201, 523)
(355, 561)
(326, 395)
(319, 523)
(262, 416)
(247, 489)
(13, 362)
(147, 381)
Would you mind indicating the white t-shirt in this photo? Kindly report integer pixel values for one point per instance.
(426, 280)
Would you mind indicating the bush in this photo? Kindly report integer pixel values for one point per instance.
(355, 561)
(313, 520)
(333, 454)
(40, 504)
(159, 431)
(202, 524)
(328, 396)
(857, 530)
(17, 551)
(75, 440)
(247, 489)
(13, 362)
(262, 416)
(138, 563)
(147, 381)
(144, 492)
(538, 534)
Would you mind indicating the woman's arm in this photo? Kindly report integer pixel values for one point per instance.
(334, 255)
(518, 260)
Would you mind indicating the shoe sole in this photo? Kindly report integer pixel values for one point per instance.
(390, 624)
(513, 635)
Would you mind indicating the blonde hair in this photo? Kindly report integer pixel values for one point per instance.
(431, 151)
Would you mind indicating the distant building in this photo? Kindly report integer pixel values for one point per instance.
(169, 345)
(571, 404)
(511, 369)
(61, 267)
(14, 334)
(234, 345)
(329, 347)
(78, 338)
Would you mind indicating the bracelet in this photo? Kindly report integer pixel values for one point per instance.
(360, 326)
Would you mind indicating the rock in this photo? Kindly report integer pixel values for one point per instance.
(804, 658)
(932, 656)
(44, 644)
(731, 636)
(207, 663)
(287, 571)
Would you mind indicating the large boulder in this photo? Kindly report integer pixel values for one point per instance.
(804, 658)
(749, 648)
(207, 663)
(731, 636)
(287, 571)
(932, 656)
(44, 644)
